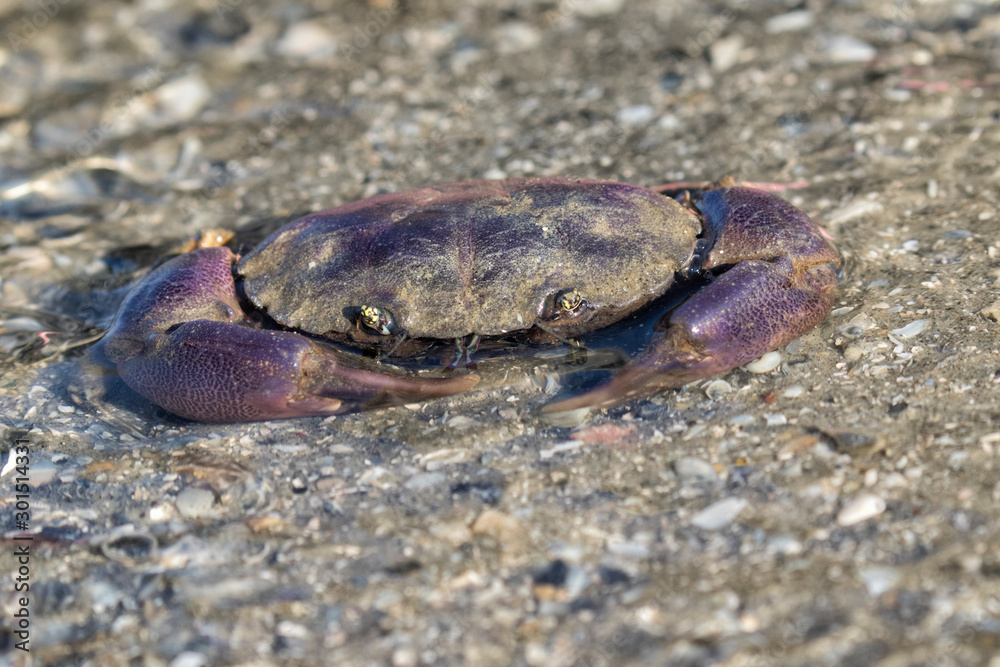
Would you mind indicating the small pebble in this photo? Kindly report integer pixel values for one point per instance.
(784, 545)
(765, 364)
(425, 480)
(719, 515)
(639, 114)
(634, 549)
(40, 473)
(878, 579)
(717, 389)
(158, 513)
(567, 446)
(862, 508)
(516, 37)
(195, 503)
(595, 8)
(957, 460)
(291, 629)
(789, 22)
(190, 659)
(856, 327)
(307, 41)
(405, 656)
(742, 420)
(856, 209)
(695, 469)
(911, 330)
(577, 581)
(461, 421)
(725, 52)
(992, 311)
(440, 457)
(847, 49)
(567, 418)
(852, 353)
(176, 101)
(794, 391)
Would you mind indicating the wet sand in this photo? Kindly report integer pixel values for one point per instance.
(838, 509)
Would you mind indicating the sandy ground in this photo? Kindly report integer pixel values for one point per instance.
(840, 509)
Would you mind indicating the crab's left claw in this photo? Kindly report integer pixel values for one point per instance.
(777, 280)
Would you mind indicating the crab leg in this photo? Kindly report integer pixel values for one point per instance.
(181, 341)
(776, 282)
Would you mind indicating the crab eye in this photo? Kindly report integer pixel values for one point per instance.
(377, 320)
(569, 302)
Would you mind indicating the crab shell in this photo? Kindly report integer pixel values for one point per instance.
(485, 258)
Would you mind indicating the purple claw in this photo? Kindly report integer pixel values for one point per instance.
(779, 285)
(181, 341)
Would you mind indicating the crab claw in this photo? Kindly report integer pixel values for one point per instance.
(776, 281)
(181, 340)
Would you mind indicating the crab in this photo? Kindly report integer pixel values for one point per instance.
(308, 322)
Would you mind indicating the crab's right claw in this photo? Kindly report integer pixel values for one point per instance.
(180, 340)
(753, 308)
